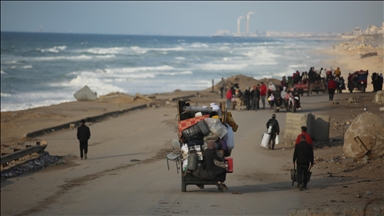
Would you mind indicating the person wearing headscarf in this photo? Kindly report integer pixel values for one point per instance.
(337, 72)
(271, 88)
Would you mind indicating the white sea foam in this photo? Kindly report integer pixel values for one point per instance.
(5, 94)
(104, 51)
(199, 45)
(27, 67)
(10, 62)
(175, 73)
(138, 69)
(218, 67)
(55, 49)
(2, 72)
(28, 100)
(180, 58)
(72, 58)
(294, 66)
(93, 82)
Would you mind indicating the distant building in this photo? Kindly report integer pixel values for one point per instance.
(372, 29)
(357, 32)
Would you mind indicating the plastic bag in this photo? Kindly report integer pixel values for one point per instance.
(277, 140)
(265, 140)
(185, 151)
(216, 127)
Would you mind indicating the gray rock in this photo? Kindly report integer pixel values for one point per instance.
(365, 137)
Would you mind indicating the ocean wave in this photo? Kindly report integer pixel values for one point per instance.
(105, 51)
(27, 67)
(92, 80)
(175, 73)
(2, 72)
(180, 58)
(218, 67)
(138, 69)
(10, 62)
(298, 66)
(199, 45)
(5, 94)
(72, 58)
(54, 49)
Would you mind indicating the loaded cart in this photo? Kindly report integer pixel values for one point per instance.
(197, 126)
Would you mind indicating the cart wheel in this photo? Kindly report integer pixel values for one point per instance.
(183, 186)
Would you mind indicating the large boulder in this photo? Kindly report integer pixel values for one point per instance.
(365, 136)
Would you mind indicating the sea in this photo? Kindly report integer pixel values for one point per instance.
(42, 69)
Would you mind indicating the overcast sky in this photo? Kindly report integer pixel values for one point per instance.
(188, 17)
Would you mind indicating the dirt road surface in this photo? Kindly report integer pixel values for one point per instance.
(126, 172)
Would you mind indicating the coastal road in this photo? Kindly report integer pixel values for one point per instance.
(126, 171)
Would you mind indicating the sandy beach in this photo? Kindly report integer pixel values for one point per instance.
(16, 125)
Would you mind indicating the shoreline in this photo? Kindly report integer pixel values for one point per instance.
(348, 60)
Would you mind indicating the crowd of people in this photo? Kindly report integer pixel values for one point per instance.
(260, 95)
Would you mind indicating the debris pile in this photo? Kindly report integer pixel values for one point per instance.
(35, 164)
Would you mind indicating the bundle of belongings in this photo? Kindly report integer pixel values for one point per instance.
(196, 126)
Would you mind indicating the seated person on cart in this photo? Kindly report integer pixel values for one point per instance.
(296, 94)
(210, 155)
(276, 97)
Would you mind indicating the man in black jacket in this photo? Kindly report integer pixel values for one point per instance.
(83, 135)
(303, 156)
(275, 130)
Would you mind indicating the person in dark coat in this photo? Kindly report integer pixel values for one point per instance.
(303, 157)
(256, 97)
(83, 135)
(209, 156)
(247, 98)
(377, 82)
(275, 130)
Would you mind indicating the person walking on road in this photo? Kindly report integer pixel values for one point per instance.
(222, 87)
(331, 88)
(303, 157)
(273, 130)
(263, 93)
(307, 136)
(229, 99)
(83, 135)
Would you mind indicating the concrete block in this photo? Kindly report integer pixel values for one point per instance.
(85, 94)
(321, 128)
(379, 97)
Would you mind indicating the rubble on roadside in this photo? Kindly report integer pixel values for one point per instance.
(31, 165)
